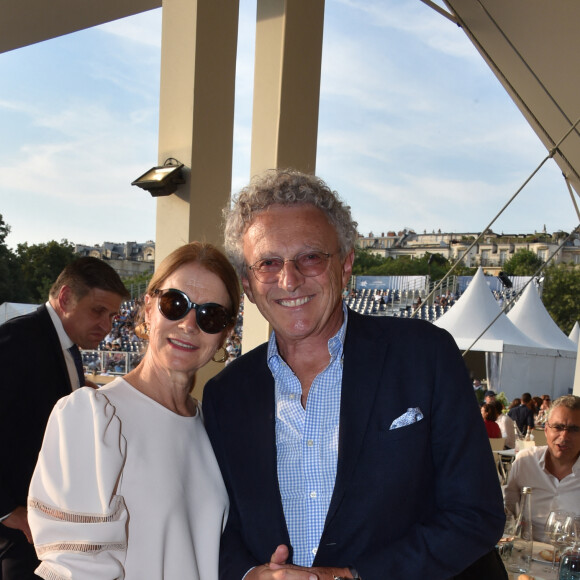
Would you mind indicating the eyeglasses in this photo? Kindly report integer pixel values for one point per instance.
(559, 427)
(308, 264)
(175, 305)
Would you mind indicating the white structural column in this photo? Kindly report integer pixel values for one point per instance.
(576, 388)
(196, 117)
(286, 99)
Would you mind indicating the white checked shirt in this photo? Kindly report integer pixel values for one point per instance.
(307, 445)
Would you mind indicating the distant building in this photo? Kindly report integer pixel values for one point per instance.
(491, 252)
(128, 259)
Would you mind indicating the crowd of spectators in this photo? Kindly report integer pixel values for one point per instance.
(399, 303)
(121, 350)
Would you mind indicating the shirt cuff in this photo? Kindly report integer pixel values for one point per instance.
(6, 516)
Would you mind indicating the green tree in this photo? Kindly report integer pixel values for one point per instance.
(522, 263)
(137, 284)
(368, 264)
(9, 273)
(365, 262)
(561, 295)
(40, 265)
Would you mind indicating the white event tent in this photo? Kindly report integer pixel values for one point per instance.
(10, 310)
(531, 317)
(514, 362)
(575, 333)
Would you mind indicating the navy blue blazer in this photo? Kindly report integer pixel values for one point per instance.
(33, 377)
(421, 501)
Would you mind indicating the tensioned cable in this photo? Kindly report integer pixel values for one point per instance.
(520, 292)
(572, 196)
(551, 154)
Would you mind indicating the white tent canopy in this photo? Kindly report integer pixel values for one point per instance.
(473, 313)
(575, 333)
(515, 362)
(10, 310)
(531, 317)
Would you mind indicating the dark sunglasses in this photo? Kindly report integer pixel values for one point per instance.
(175, 305)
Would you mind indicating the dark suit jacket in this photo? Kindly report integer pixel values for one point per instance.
(33, 376)
(418, 502)
(523, 417)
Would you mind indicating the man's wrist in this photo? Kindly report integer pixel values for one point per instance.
(354, 574)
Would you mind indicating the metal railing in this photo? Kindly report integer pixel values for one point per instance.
(110, 362)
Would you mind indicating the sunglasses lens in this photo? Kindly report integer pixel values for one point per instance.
(212, 318)
(173, 305)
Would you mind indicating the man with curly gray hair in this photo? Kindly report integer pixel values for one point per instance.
(285, 188)
(333, 437)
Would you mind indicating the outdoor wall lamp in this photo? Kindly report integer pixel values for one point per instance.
(162, 180)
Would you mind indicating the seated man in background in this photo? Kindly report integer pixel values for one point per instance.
(552, 470)
(489, 397)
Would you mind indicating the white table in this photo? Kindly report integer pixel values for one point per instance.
(507, 452)
(539, 571)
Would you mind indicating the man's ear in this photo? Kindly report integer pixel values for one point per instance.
(347, 268)
(248, 289)
(65, 298)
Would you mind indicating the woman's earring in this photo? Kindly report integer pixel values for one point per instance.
(142, 331)
(224, 357)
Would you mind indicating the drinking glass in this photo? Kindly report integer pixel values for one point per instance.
(506, 542)
(570, 558)
(557, 528)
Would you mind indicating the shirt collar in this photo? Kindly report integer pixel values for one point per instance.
(335, 343)
(542, 459)
(63, 337)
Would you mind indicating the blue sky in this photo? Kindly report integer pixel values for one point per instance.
(414, 131)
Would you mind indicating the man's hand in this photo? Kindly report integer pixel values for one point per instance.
(18, 520)
(277, 569)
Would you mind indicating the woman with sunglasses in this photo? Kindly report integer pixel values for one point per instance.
(126, 485)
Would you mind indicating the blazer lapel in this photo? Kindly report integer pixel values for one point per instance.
(361, 378)
(54, 349)
(260, 474)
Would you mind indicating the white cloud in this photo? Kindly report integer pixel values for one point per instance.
(415, 131)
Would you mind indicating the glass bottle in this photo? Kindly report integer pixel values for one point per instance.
(521, 557)
(570, 558)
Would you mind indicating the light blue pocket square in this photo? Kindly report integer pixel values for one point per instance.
(408, 418)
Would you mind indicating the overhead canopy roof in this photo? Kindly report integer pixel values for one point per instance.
(25, 22)
(533, 48)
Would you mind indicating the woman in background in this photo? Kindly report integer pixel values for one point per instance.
(127, 485)
(489, 414)
(507, 426)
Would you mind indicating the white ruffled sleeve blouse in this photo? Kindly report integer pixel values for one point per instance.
(125, 488)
